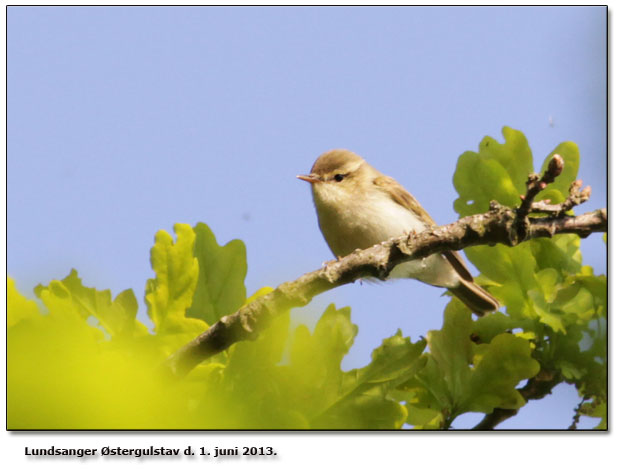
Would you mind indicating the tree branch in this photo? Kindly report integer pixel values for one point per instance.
(536, 388)
(499, 225)
(536, 183)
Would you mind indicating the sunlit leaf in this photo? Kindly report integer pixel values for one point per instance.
(497, 172)
(171, 292)
(220, 289)
(117, 317)
(570, 154)
(463, 376)
(18, 307)
(498, 368)
(363, 400)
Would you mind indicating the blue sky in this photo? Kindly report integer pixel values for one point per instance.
(124, 121)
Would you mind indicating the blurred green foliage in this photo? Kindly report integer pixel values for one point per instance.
(79, 359)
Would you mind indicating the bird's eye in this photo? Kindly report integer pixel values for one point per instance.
(339, 177)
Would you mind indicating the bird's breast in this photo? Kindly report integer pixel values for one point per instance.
(361, 222)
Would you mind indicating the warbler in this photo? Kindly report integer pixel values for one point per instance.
(358, 206)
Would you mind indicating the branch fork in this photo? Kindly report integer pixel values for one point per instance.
(499, 225)
(535, 184)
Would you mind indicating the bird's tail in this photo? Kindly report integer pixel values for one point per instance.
(475, 297)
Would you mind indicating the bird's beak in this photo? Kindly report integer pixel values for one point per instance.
(309, 178)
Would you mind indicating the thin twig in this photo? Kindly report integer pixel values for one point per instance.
(536, 183)
(574, 198)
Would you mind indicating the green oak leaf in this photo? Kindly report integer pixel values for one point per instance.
(117, 317)
(428, 391)
(475, 179)
(220, 289)
(424, 417)
(558, 190)
(270, 389)
(445, 375)
(497, 172)
(315, 357)
(562, 252)
(18, 307)
(461, 376)
(487, 327)
(502, 264)
(170, 293)
(597, 286)
(548, 282)
(371, 410)
(580, 306)
(365, 399)
(545, 311)
(249, 358)
(512, 269)
(250, 382)
(57, 298)
(514, 155)
(569, 370)
(498, 369)
(452, 348)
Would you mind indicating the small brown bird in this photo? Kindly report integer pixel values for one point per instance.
(358, 207)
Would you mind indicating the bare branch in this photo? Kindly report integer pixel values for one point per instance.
(574, 198)
(499, 225)
(495, 226)
(536, 183)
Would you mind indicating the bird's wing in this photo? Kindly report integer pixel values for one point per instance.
(405, 199)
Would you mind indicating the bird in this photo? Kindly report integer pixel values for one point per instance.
(357, 207)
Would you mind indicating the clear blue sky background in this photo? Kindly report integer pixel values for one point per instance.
(124, 121)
